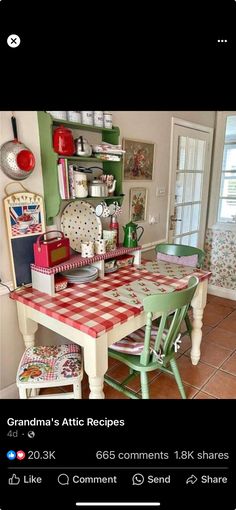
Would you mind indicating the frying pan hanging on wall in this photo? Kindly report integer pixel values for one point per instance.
(16, 160)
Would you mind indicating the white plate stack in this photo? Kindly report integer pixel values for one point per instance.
(81, 275)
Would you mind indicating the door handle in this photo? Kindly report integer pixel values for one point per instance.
(173, 218)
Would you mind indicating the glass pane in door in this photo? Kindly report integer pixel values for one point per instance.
(188, 189)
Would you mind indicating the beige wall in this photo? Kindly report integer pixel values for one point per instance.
(11, 343)
(152, 126)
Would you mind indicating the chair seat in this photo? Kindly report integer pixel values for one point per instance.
(45, 364)
(134, 343)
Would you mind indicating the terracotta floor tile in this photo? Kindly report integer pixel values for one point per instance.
(165, 387)
(195, 375)
(212, 354)
(221, 385)
(120, 371)
(229, 324)
(221, 311)
(211, 318)
(201, 396)
(230, 365)
(220, 336)
(185, 344)
(221, 301)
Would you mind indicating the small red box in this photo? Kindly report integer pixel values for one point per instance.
(50, 252)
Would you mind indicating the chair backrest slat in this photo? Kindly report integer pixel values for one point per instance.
(171, 306)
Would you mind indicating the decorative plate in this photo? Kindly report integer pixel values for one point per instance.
(80, 223)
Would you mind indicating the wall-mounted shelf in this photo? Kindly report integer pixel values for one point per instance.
(49, 160)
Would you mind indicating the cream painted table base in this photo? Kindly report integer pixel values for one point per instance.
(95, 350)
(198, 304)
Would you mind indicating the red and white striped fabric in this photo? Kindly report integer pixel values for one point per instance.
(134, 343)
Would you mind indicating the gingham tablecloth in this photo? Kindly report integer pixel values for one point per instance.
(85, 308)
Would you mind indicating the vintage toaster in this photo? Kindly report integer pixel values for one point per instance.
(52, 251)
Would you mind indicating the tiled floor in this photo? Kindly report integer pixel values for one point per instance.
(215, 375)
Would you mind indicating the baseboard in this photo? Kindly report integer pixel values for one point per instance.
(9, 392)
(222, 292)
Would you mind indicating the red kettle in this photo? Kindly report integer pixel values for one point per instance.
(63, 142)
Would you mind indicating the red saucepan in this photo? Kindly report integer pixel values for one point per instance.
(16, 160)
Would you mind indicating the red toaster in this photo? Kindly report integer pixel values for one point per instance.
(49, 252)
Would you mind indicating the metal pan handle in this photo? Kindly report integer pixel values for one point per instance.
(14, 127)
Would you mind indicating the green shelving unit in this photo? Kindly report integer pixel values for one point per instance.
(49, 160)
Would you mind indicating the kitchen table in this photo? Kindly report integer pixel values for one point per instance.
(82, 314)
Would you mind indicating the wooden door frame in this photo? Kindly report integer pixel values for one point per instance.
(176, 121)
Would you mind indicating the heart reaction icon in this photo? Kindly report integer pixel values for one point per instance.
(20, 455)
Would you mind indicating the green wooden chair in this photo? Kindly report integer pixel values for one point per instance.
(188, 252)
(153, 348)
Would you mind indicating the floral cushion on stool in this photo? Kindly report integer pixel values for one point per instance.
(49, 363)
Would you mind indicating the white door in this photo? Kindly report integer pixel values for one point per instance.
(189, 184)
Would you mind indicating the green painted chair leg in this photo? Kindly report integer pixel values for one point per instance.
(144, 385)
(178, 379)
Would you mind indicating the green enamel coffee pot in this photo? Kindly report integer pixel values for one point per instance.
(130, 238)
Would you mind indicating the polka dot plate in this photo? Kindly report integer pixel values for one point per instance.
(80, 223)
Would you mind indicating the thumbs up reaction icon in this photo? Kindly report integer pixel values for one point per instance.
(14, 480)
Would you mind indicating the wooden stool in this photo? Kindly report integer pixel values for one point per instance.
(49, 366)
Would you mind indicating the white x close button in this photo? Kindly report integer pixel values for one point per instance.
(13, 40)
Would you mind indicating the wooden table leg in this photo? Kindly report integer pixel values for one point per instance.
(198, 304)
(96, 365)
(27, 327)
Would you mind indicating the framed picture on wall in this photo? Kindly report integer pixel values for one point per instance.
(138, 159)
(138, 204)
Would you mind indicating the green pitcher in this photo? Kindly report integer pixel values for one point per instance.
(130, 232)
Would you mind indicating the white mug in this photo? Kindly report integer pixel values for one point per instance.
(100, 246)
(87, 249)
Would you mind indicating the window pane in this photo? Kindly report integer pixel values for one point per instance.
(200, 154)
(197, 188)
(182, 152)
(228, 185)
(186, 218)
(185, 240)
(227, 209)
(188, 191)
(179, 188)
(193, 239)
(195, 217)
(190, 163)
(229, 158)
(230, 131)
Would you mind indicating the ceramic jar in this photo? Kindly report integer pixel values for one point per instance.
(107, 120)
(80, 185)
(74, 116)
(87, 249)
(87, 118)
(100, 246)
(98, 119)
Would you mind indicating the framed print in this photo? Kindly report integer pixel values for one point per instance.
(138, 160)
(138, 204)
(25, 221)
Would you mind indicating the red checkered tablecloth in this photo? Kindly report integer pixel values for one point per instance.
(84, 307)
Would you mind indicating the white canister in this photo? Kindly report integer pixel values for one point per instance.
(80, 185)
(98, 119)
(87, 249)
(87, 118)
(100, 246)
(107, 120)
(74, 116)
(60, 115)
